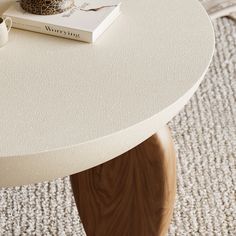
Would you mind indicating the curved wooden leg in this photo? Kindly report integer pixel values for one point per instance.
(131, 195)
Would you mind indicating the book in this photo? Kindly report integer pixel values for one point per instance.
(86, 21)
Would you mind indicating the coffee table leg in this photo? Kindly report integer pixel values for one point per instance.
(131, 195)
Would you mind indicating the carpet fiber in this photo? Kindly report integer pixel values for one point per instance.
(205, 138)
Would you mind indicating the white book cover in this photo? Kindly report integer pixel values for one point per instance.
(86, 21)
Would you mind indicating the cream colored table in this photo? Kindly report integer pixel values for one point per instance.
(68, 106)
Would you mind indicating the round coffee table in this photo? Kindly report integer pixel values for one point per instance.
(97, 112)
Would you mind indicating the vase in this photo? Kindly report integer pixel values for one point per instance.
(46, 7)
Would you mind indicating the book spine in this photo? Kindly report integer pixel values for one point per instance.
(50, 29)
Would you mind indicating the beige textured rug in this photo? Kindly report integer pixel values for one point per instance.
(205, 137)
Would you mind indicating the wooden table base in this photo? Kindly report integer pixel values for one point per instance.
(131, 195)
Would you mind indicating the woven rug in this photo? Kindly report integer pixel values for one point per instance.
(205, 138)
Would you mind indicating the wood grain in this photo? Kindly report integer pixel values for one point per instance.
(131, 195)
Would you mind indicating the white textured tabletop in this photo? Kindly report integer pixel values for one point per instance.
(67, 106)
